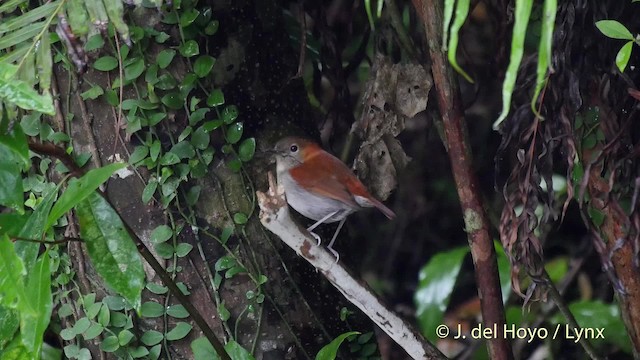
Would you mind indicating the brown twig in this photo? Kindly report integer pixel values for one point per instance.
(476, 221)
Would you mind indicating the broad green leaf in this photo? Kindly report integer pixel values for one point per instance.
(246, 149)
(113, 254)
(462, 9)
(240, 218)
(594, 314)
(151, 337)
(177, 311)
(106, 63)
(614, 30)
(189, 49)
(151, 309)
(165, 57)
(11, 190)
(184, 150)
(173, 100)
(622, 58)
(38, 291)
(436, 282)
(9, 323)
(20, 93)
(161, 234)
(330, 351)
(34, 229)
(179, 331)
(16, 142)
(93, 93)
(12, 272)
(134, 70)
(237, 352)
(11, 5)
(80, 189)
(203, 350)
(544, 48)
(216, 98)
(203, 65)
(188, 17)
(234, 132)
(522, 14)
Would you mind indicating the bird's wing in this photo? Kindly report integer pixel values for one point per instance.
(327, 176)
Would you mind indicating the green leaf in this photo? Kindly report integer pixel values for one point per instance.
(216, 98)
(94, 42)
(179, 331)
(105, 63)
(22, 94)
(237, 352)
(436, 282)
(149, 190)
(177, 311)
(124, 337)
(225, 263)
(12, 272)
(189, 49)
(161, 234)
(110, 344)
(184, 150)
(522, 14)
(38, 291)
(169, 159)
(230, 114)
(240, 218)
(246, 149)
(80, 189)
(165, 57)
(614, 29)
(544, 48)
(183, 249)
(113, 254)
(93, 93)
(504, 271)
(33, 229)
(134, 70)
(173, 100)
(151, 309)
(157, 288)
(330, 351)
(188, 17)
(595, 314)
(151, 337)
(203, 350)
(462, 9)
(623, 55)
(212, 27)
(11, 191)
(203, 65)
(234, 132)
(9, 324)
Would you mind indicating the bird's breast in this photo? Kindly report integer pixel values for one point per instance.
(309, 204)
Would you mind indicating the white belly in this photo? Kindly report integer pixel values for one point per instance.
(310, 205)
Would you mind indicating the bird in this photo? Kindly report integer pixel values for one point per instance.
(320, 186)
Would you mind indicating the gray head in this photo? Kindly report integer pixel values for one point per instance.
(290, 152)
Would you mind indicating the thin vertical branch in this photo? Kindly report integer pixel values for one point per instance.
(476, 221)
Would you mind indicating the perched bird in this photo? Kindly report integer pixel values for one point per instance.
(320, 186)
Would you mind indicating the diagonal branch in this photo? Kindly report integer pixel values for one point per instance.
(476, 222)
(274, 215)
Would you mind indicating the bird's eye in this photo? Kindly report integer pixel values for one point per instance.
(293, 148)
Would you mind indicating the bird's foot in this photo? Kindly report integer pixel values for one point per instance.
(335, 253)
(316, 236)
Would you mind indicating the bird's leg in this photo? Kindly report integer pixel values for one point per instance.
(335, 235)
(310, 228)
